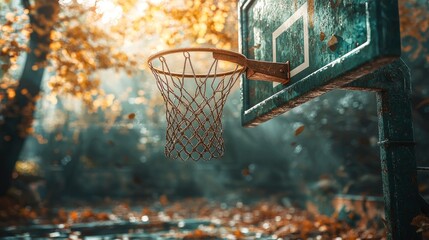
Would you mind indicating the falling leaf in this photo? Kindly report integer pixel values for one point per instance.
(131, 116)
(422, 222)
(111, 143)
(422, 103)
(245, 172)
(299, 130)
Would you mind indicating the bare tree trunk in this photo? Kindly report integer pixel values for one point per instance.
(18, 113)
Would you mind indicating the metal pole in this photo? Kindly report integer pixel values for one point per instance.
(398, 163)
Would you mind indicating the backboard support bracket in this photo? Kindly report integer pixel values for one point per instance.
(259, 70)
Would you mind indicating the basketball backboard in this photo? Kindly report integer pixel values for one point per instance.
(329, 43)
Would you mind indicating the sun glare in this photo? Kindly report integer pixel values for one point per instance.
(110, 11)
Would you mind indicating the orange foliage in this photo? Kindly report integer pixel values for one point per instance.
(211, 22)
(414, 24)
(81, 44)
(62, 215)
(199, 234)
(14, 32)
(74, 216)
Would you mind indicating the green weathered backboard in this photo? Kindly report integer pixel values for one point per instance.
(328, 42)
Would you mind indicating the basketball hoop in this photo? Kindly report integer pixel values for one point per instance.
(194, 100)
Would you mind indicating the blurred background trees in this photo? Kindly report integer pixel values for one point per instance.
(98, 127)
(76, 41)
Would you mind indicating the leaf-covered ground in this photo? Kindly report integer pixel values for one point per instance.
(194, 218)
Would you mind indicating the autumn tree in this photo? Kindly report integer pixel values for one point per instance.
(72, 40)
(17, 114)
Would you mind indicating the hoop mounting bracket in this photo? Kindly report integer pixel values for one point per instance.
(268, 71)
(259, 70)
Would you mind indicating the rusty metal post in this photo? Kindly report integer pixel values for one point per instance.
(398, 163)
